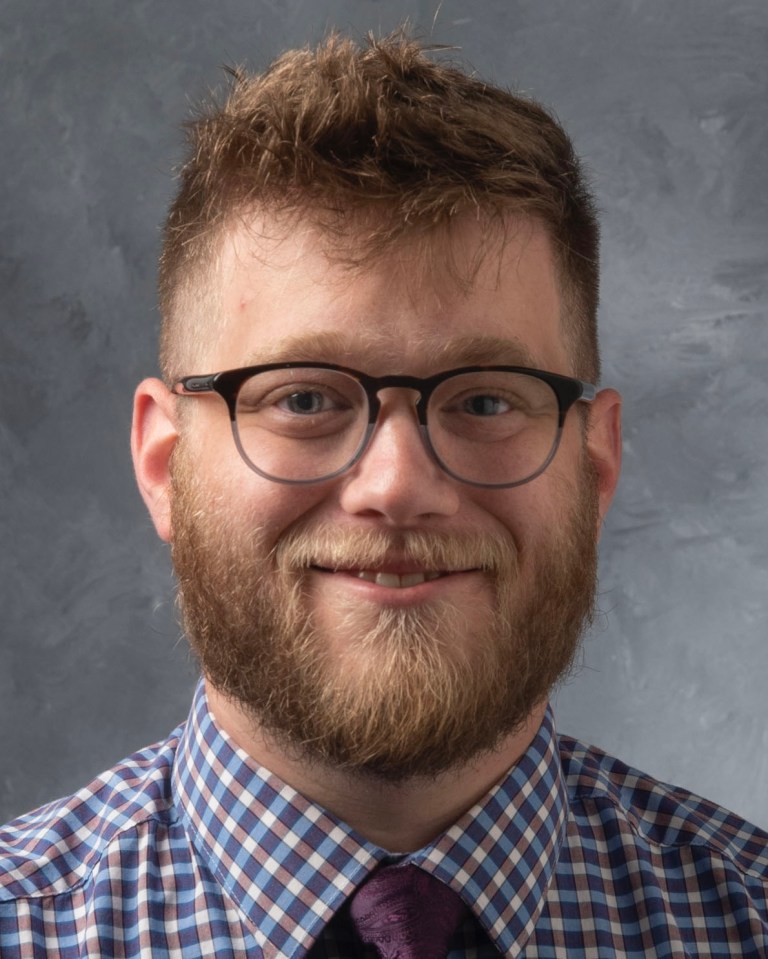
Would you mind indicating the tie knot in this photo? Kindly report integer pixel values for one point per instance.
(406, 913)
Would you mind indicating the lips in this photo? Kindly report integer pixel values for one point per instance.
(391, 578)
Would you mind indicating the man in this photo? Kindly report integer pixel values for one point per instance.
(382, 467)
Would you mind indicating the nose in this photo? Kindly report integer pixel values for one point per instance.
(397, 479)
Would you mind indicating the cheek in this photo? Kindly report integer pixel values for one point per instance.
(536, 512)
(525, 514)
(258, 503)
(232, 493)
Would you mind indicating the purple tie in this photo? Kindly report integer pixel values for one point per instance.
(406, 913)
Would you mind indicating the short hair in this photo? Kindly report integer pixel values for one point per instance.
(380, 130)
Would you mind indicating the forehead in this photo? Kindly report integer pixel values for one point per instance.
(432, 301)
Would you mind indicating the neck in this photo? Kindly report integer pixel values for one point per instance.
(397, 816)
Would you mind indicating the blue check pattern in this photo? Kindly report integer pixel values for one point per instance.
(190, 849)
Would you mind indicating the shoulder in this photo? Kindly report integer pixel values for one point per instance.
(55, 849)
(608, 795)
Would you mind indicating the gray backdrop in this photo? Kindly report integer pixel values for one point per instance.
(666, 101)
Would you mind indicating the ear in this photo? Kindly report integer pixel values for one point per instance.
(153, 437)
(604, 446)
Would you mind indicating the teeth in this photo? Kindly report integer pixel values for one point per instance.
(388, 579)
(395, 580)
(412, 579)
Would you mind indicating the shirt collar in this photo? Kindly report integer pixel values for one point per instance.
(290, 865)
(501, 855)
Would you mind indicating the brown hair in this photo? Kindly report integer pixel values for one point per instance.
(380, 132)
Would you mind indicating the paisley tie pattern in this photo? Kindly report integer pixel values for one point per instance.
(406, 913)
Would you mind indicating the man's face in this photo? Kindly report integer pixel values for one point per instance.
(397, 674)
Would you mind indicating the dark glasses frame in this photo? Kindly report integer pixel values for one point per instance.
(227, 384)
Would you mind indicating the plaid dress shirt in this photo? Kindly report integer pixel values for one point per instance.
(190, 849)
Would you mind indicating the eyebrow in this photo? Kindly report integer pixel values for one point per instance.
(324, 347)
(483, 350)
(331, 347)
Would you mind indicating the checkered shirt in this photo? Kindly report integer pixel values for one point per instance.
(190, 849)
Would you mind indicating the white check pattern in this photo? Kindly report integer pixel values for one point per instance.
(188, 849)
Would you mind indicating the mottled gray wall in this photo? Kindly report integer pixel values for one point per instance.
(667, 103)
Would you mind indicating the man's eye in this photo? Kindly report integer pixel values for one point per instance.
(306, 402)
(486, 404)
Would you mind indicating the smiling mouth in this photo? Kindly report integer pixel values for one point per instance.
(394, 580)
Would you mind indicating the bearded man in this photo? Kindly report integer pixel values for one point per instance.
(382, 465)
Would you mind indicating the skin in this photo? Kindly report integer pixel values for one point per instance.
(283, 298)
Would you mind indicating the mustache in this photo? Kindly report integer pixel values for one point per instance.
(333, 547)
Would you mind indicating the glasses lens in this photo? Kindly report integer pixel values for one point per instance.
(494, 428)
(300, 424)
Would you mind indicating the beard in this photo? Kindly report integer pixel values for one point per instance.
(389, 692)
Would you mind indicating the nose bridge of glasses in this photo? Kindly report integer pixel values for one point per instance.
(395, 411)
(391, 396)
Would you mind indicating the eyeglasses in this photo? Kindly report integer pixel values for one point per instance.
(491, 426)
